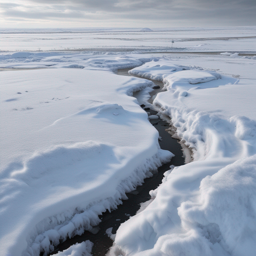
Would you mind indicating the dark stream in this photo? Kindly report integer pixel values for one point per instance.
(102, 242)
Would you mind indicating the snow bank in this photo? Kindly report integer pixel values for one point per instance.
(83, 249)
(206, 207)
(156, 70)
(74, 144)
(25, 60)
(189, 78)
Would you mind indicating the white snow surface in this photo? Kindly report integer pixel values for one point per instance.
(72, 143)
(83, 249)
(207, 207)
(224, 39)
(156, 70)
(59, 120)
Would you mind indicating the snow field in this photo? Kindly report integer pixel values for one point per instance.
(75, 113)
(88, 60)
(120, 40)
(74, 143)
(206, 207)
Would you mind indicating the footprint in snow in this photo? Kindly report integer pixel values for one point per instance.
(9, 100)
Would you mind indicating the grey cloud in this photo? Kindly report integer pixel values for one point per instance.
(43, 15)
(194, 12)
(4, 6)
(148, 4)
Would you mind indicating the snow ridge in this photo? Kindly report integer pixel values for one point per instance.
(50, 231)
(83, 142)
(206, 207)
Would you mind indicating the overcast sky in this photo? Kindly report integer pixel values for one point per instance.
(126, 13)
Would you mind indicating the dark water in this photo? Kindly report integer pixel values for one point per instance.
(113, 219)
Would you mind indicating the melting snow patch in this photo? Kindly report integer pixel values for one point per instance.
(83, 249)
(109, 233)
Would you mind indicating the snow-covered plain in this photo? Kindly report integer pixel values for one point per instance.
(73, 141)
(185, 39)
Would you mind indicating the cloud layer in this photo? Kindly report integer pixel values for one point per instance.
(128, 13)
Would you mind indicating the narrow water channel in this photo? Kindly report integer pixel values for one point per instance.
(102, 242)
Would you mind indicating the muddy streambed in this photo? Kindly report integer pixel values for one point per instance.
(114, 219)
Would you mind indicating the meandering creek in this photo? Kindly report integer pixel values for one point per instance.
(113, 219)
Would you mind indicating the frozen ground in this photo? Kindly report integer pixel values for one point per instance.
(73, 140)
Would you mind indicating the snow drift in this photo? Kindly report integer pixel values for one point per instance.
(206, 207)
(74, 144)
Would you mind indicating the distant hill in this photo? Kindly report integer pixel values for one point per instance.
(146, 30)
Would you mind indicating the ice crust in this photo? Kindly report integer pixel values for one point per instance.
(206, 207)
